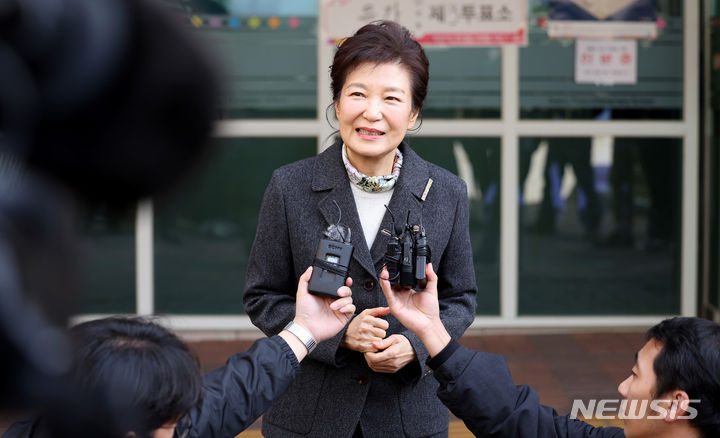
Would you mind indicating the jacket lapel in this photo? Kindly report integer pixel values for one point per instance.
(329, 175)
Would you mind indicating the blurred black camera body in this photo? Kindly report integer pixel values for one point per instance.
(102, 100)
(332, 260)
(406, 255)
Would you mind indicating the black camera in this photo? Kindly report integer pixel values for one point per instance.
(406, 254)
(332, 259)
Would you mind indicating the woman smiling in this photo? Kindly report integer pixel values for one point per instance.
(371, 379)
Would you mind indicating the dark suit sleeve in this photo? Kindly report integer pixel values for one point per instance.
(477, 388)
(22, 429)
(271, 281)
(270, 288)
(456, 283)
(237, 394)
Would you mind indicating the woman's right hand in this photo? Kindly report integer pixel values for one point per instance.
(365, 329)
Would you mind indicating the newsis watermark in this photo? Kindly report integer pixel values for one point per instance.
(610, 409)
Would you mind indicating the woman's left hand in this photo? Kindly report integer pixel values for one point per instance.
(396, 353)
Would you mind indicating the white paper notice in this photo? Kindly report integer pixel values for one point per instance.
(437, 22)
(605, 62)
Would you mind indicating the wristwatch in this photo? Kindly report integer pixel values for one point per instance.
(303, 334)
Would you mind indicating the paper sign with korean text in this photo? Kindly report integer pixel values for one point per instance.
(434, 22)
(605, 62)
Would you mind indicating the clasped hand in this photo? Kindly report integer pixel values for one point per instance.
(366, 333)
(396, 352)
(365, 329)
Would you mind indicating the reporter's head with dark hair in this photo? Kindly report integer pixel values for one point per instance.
(680, 362)
(142, 365)
(673, 390)
(149, 381)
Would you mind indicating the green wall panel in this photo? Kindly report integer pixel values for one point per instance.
(204, 231)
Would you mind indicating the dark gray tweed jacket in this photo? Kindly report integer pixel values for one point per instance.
(335, 388)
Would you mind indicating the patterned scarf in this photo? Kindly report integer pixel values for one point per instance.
(373, 184)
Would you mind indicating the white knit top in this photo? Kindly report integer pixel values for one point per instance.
(371, 209)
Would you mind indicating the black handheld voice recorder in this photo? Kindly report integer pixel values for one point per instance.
(330, 268)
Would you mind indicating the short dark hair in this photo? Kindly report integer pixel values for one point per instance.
(690, 361)
(382, 42)
(141, 361)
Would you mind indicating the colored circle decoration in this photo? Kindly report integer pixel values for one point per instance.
(254, 22)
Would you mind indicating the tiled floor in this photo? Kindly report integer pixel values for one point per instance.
(560, 367)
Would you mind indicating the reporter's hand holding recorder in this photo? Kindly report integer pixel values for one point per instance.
(317, 316)
(418, 311)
